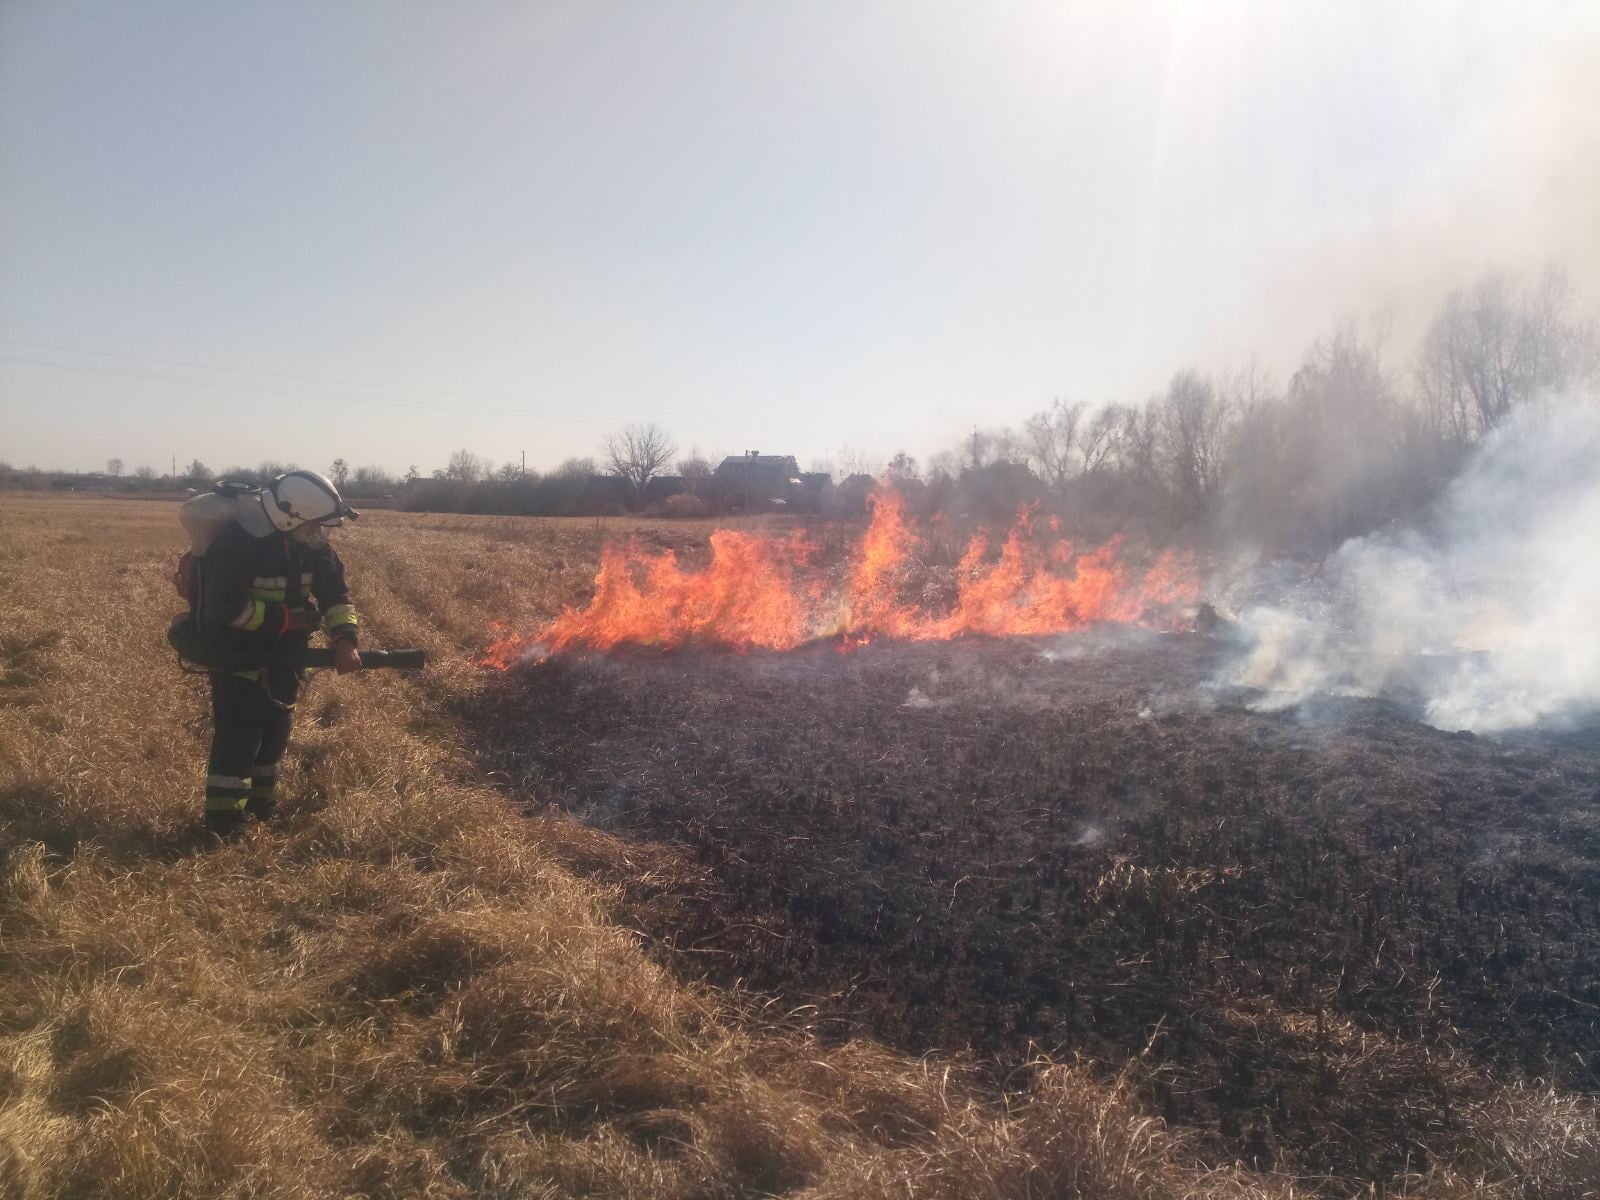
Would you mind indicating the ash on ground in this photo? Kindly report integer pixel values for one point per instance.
(1335, 922)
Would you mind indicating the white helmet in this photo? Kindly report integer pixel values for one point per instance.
(304, 498)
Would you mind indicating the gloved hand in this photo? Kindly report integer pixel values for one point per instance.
(346, 657)
(303, 620)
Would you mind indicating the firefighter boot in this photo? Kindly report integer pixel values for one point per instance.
(262, 803)
(225, 801)
(224, 822)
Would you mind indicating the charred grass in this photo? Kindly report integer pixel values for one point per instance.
(411, 988)
(1327, 940)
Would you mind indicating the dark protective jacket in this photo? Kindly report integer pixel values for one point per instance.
(250, 586)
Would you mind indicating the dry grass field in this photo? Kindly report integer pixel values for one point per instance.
(423, 983)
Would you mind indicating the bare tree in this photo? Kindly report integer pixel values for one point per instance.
(1051, 437)
(637, 454)
(114, 468)
(577, 468)
(1007, 445)
(339, 472)
(371, 481)
(695, 469)
(1498, 345)
(1101, 441)
(465, 467)
(1465, 370)
(982, 447)
(857, 462)
(1245, 387)
(946, 464)
(902, 468)
(1562, 348)
(1193, 420)
(1140, 443)
(1339, 440)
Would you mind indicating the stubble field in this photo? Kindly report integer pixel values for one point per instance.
(811, 924)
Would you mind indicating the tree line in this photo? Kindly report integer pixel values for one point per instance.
(1355, 439)
(1352, 441)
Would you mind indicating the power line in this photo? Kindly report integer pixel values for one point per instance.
(199, 366)
(172, 362)
(590, 415)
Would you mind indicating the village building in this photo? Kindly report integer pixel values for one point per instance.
(753, 481)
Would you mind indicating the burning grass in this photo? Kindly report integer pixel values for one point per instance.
(411, 988)
(778, 591)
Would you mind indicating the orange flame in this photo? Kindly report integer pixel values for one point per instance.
(762, 591)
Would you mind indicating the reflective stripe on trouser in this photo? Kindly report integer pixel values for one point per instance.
(249, 735)
(226, 793)
(263, 781)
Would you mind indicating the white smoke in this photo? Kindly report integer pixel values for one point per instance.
(1489, 617)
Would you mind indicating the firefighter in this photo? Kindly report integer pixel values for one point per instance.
(263, 586)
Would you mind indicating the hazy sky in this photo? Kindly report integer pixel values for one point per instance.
(295, 231)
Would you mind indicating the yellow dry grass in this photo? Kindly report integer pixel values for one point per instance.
(405, 989)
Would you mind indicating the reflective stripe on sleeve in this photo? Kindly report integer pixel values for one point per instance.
(341, 614)
(271, 588)
(251, 616)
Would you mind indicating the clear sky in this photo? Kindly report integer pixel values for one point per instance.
(300, 230)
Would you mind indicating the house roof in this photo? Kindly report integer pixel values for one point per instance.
(770, 462)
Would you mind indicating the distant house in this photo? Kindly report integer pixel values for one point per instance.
(662, 487)
(995, 491)
(88, 481)
(751, 481)
(612, 491)
(754, 476)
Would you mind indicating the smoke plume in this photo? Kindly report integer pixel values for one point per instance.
(1515, 191)
(1488, 615)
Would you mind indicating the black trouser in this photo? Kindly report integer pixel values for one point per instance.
(251, 715)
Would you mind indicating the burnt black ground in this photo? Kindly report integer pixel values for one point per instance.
(1324, 931)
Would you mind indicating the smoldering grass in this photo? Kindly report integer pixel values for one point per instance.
(1482, 614)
